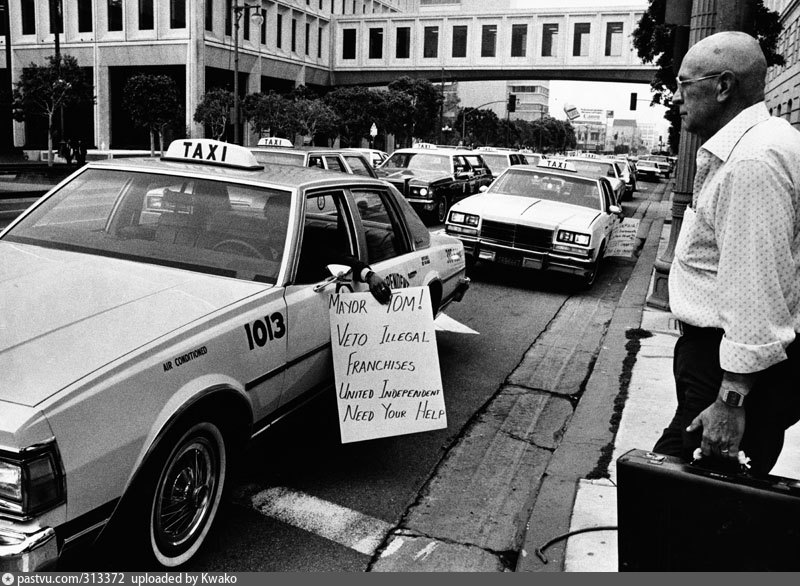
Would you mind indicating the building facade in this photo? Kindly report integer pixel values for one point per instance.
(783, 82)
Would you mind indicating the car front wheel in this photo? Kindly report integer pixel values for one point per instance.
(441, 209)
(591, 276)
(184, 490)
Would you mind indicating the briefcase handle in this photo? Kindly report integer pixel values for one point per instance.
(742, 466)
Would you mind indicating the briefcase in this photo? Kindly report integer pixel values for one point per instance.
(676, 516)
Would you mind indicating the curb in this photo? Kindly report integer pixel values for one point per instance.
(590, 435)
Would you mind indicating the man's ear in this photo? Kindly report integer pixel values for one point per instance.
(726, 86)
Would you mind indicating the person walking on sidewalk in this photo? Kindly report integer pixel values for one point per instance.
(734, 284)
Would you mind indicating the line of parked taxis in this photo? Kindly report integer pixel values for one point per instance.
(159, 313)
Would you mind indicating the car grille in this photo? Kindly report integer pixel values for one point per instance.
(401, 187)
(517, 236)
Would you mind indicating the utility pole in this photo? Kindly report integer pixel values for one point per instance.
(7, 25)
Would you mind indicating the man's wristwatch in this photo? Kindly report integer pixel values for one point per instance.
(732, 398)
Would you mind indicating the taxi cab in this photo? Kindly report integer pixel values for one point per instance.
(433, 178)
(159, 313)
(281, 151)
(498, 160)
(548, 217)
(602, 167)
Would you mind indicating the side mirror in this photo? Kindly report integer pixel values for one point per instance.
(615, 210)
(482, 188)
(339, 274)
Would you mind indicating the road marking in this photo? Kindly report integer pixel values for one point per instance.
(331, 521)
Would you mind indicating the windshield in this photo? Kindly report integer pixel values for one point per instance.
(418, 162)
(569, 190)
(196, 224)
(281, 158)
(496, 163)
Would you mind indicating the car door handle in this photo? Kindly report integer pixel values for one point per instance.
(412, 274)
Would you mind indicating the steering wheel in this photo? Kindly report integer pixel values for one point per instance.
(234, 246)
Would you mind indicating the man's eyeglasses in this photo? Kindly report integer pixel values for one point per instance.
(682, 83)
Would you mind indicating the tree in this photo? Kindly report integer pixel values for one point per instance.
(312, 117)
(152, 101)
(654, 41)
(426, 100)
(43, 90)
(356, 109)
(268, 113)
(213, 111)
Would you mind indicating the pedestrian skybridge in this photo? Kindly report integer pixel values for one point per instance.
(553, 44)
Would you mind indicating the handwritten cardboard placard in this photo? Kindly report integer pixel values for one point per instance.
(623, 238)
(386, 365)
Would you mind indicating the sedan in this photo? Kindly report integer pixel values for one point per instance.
(549, 217)
(158, 314)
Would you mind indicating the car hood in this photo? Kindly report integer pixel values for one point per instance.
(65, 314)
(413, 174)
(527, 210)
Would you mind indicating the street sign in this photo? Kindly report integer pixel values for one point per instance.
(571, 111)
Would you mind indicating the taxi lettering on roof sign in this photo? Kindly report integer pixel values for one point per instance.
(557, 164)
(274, 141)
(424, 145)
(211, 152)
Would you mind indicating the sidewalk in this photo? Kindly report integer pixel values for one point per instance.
(649, 407)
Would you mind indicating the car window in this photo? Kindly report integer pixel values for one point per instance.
(327, 237)
(316, 161)
(358, 165)
(564, 189)
(460, 164)
(476, 162)
(381, 229)
(196, 224)
(334, 163)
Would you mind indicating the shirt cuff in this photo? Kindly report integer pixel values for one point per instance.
(749, 358)
(365, 273)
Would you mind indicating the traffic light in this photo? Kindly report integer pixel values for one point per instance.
(512, 103)
(633, 100)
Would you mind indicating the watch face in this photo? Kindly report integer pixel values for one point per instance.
(733, 399)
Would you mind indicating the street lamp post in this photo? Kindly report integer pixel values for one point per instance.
(257, 19)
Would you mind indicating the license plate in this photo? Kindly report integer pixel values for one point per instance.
(531, 263)
(508, 260)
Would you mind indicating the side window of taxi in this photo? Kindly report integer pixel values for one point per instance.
(316, 161)
(334, 163)
(460, 164)
(358, 165)
(327, 237)
(608, 198)
(381, 228)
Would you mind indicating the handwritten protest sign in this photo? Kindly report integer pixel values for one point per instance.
(623, 238)
(386, 365)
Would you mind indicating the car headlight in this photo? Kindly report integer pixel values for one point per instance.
(31, 481)
(573, 238)
(464, 218)
(420, 191)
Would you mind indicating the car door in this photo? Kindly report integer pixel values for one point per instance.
(325, 231)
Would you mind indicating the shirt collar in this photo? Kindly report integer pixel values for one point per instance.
(721, 144)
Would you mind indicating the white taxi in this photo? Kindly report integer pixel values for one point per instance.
(546, 217)
(156, 314)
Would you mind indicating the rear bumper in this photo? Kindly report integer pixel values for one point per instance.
(23, 550)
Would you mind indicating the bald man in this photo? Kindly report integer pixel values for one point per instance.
(734, 284)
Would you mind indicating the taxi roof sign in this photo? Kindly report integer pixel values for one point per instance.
(211, 152)
(424, 145)
(274, 141)
(559, 164)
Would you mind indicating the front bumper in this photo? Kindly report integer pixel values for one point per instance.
(549, 260)
(23, 550)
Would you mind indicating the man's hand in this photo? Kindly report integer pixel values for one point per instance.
(379, 288)
(723, 428)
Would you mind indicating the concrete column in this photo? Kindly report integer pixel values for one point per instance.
(102, 105)
(703, 24)
(195, 77)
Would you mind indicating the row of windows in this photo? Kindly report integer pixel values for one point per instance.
(519, 41)
(529, 89)
(145, 12)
